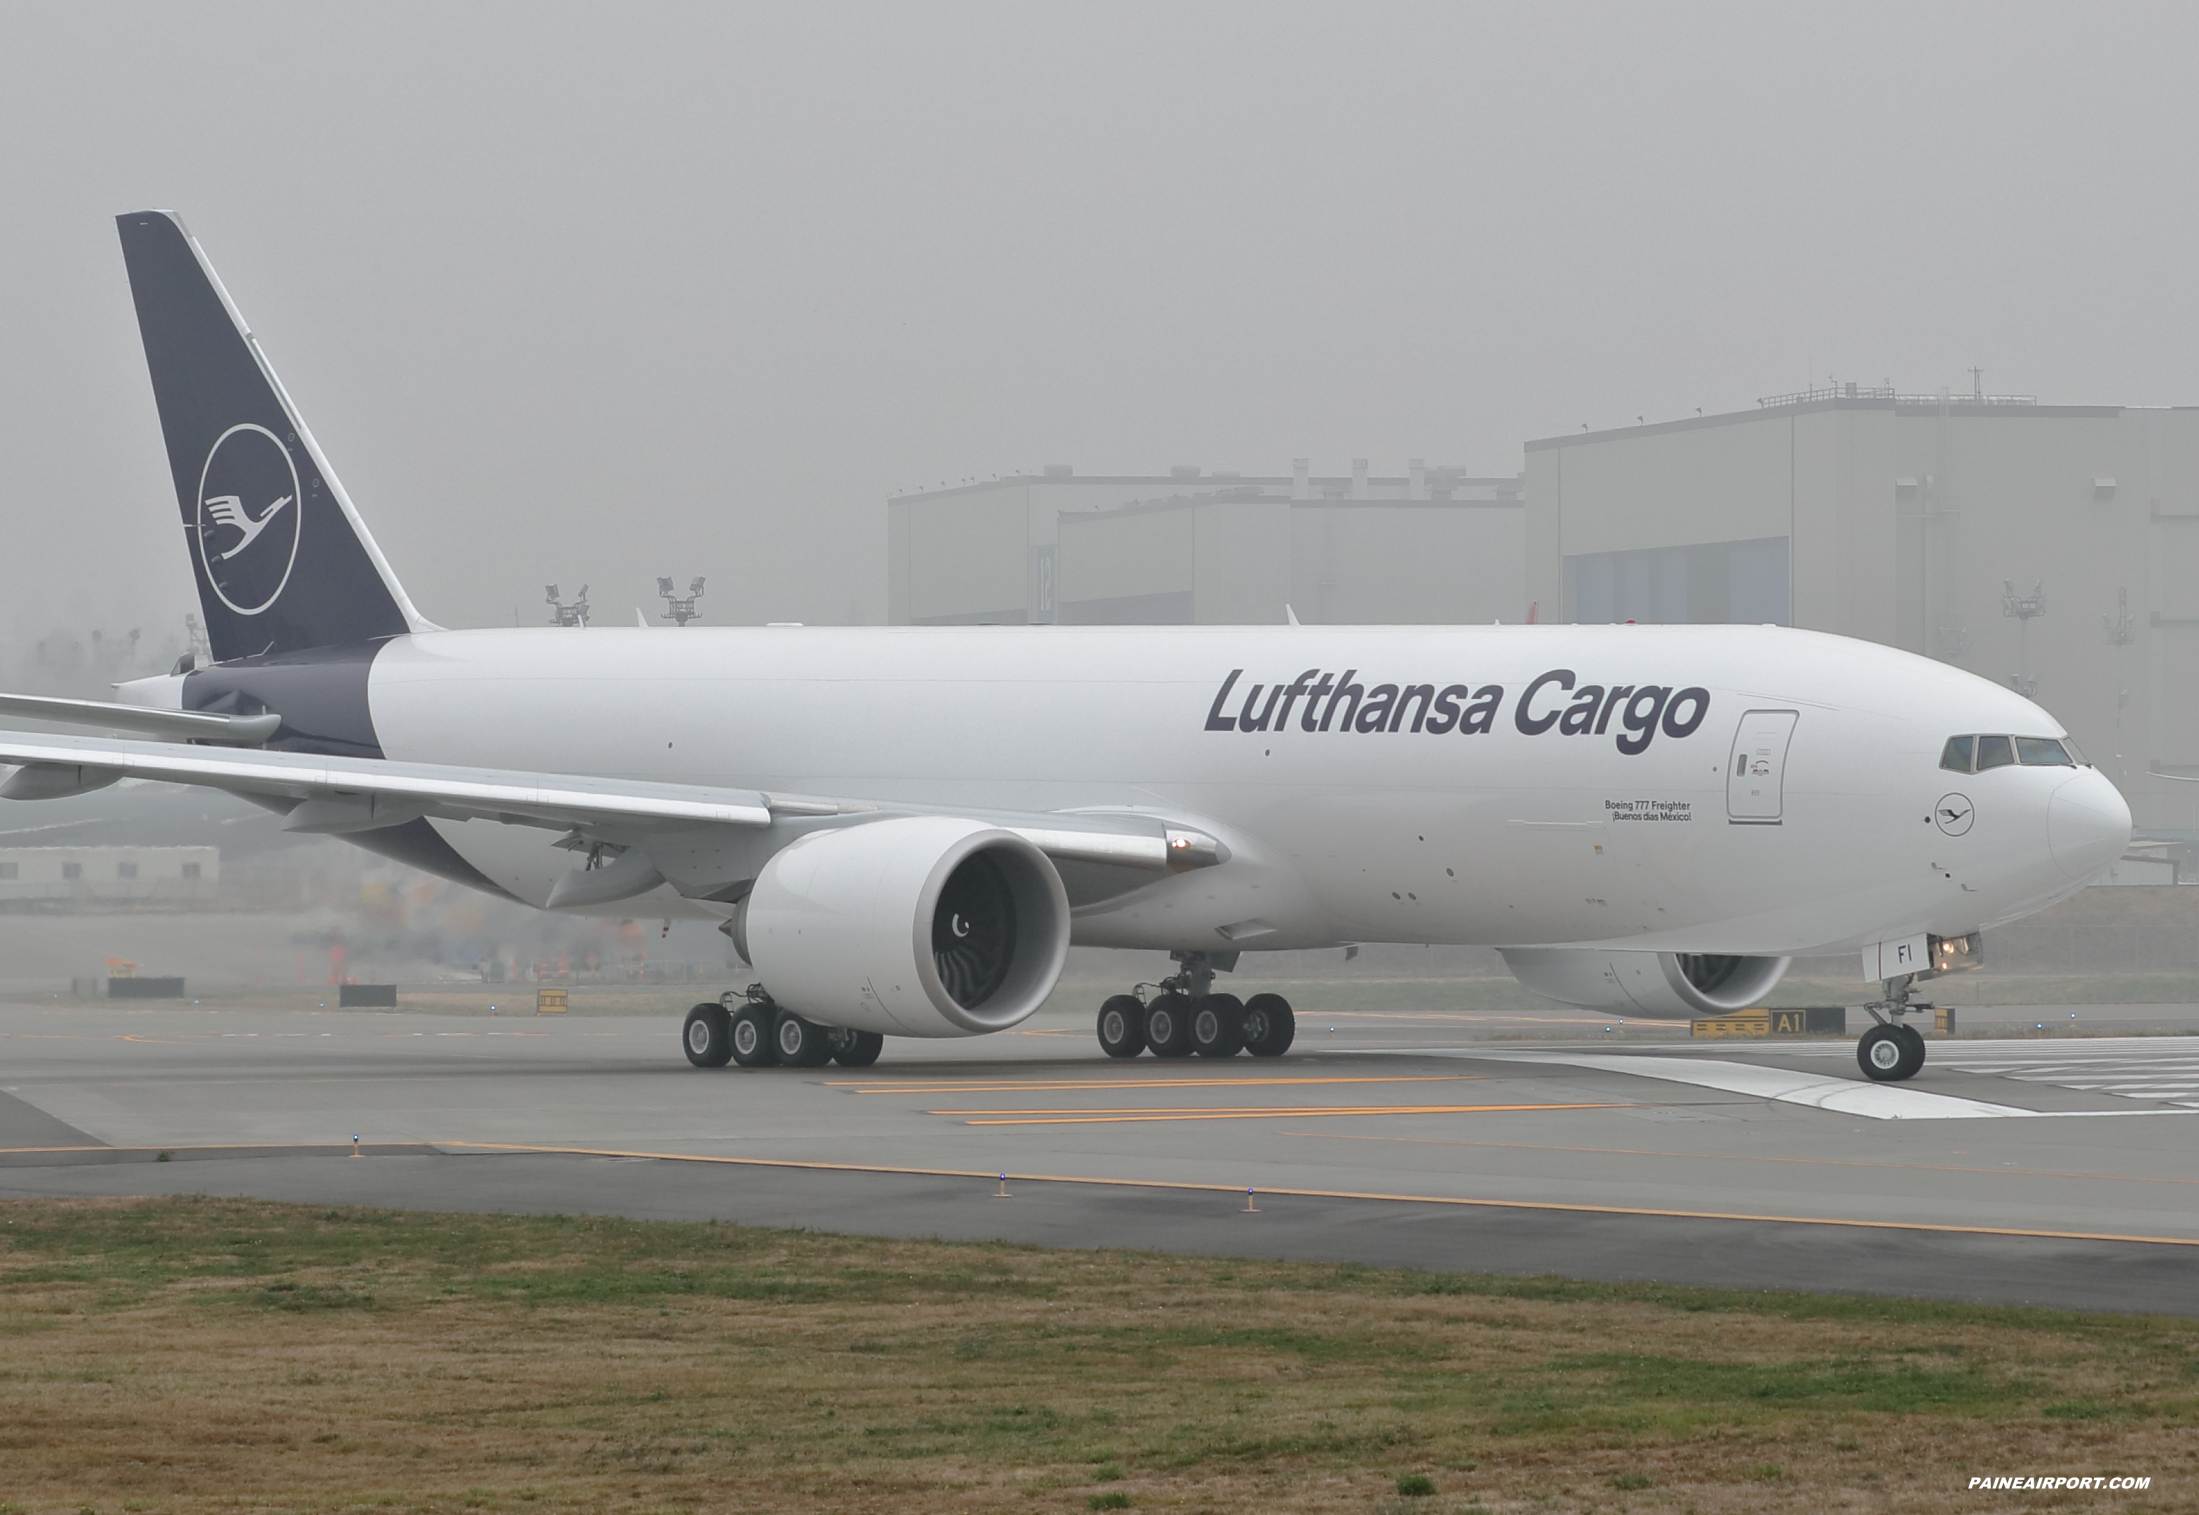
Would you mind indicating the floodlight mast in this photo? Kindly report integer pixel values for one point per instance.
(561, 614)
(678, 609)
(2024, 608)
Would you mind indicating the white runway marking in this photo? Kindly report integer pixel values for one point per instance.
(2129, 1068)
(1843, 1096)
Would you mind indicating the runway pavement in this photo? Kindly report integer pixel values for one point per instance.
(2050, 1170)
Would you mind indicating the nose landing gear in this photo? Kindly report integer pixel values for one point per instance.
(1890, 1052)
(1187, 1017)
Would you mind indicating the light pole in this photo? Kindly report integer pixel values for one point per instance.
(561, 614)
(677, 610)
(2024, 607)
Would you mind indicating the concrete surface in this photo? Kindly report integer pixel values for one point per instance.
(2052, 1170)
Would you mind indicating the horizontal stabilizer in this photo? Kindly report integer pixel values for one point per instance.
(177, 725)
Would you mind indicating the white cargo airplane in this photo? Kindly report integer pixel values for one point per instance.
(903, 829)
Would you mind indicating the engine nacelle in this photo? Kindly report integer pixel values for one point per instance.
(919, 926)
(1660, 985)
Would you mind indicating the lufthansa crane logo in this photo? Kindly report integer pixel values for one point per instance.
(248, 518)
(1954, 813)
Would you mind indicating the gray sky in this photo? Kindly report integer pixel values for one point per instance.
(598, 293)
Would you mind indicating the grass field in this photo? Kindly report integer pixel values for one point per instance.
(203, 1355)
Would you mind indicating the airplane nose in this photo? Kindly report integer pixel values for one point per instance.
(2087, 824)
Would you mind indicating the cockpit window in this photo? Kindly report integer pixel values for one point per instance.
(1975, 754)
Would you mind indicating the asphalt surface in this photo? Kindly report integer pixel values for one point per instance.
(2049, 1170)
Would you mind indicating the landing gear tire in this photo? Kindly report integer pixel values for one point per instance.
(1915, 1041)
(1268, 1025)
(1168, 1025)
(1122, 1026)
(1217, 1025)
(1889, 1054)
(854, 1049)
(708, 1036)
(751, 1037)
(800, 1043)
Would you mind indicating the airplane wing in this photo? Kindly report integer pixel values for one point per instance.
(336, 795)
(381, 788)
(178, 725)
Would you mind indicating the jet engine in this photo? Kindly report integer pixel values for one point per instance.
(917, 926)
(1660, 985)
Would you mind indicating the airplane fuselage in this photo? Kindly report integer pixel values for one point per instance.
(1503, 786)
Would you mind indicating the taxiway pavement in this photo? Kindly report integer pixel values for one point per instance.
(2042, 1170)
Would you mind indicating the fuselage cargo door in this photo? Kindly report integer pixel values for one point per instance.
(1756, 778)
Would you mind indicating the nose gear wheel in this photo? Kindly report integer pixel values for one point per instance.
(1889, 1054)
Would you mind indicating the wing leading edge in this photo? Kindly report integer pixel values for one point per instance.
(334, 796)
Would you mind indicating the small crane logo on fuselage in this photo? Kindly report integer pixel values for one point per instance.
(1954, 813)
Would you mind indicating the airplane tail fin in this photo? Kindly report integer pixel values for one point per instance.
(282, 560)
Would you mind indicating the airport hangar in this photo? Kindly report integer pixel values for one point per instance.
(2051, 547)
(1434, 546)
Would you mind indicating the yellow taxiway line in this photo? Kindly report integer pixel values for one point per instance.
(1056, 1086)
(990, 1176)
(1452, 1201)
(1742, 1157)
(1224, 1112)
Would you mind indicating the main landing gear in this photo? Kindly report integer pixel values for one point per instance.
(1890, 1052)
(1187, 1017)
(759, 1034)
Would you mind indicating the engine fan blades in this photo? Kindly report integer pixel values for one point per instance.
(974, 931)
(1710, 972)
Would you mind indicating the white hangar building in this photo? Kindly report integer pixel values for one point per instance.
(1429, 546)
(2051, 547)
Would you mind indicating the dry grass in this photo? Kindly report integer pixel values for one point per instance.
(207, 1355)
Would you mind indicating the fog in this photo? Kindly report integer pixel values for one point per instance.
(592, 294)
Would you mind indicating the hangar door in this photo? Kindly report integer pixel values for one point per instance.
(1756, 778)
